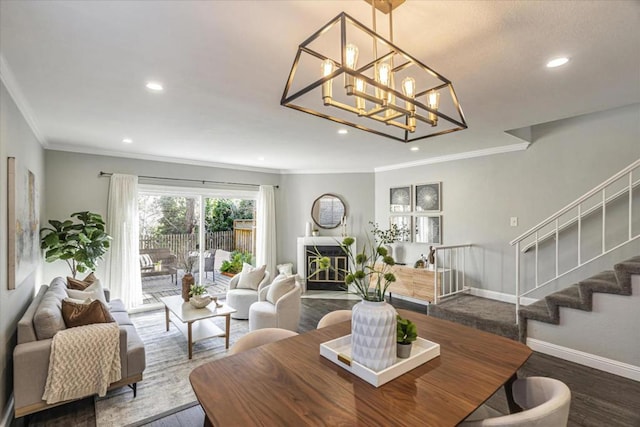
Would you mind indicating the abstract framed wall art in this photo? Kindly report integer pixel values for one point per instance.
(23, 224)
(400, 199)
(428, 229)
(428, 197)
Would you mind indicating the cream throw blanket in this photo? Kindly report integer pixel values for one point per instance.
(83, 361)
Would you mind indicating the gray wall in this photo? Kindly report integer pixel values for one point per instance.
(16, 140)
(568, 158)
(74, 184)
(297, 193)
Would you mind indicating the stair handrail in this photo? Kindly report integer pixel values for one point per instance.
(555, 217)
(576, 202)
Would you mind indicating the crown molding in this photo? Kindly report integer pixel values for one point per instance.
(457, 156)
(112, 153)
(9, 81)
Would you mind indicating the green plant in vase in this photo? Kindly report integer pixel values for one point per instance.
(407, 333)
(373, 323)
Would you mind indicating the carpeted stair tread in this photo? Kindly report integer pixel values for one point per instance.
(569, 297)
(539, 310)
(580, 296)
(481, 313)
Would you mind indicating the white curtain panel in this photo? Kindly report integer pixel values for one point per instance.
(123, 266)
(266, 229)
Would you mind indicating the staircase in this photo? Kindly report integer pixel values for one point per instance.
(580, 295)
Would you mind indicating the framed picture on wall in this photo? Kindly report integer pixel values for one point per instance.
(23, 227)
(404, 223)
(400, 199)
(428, 197)
(428, 229)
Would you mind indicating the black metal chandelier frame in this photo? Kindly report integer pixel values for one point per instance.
(382, 105)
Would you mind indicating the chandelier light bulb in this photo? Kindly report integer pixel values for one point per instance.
(352, 56)
(327, 68)
(384, 73)
(433, 102)
(409, 87)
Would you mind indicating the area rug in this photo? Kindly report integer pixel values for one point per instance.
(165, 387)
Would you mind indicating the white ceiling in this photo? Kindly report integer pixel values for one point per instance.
(77, 69)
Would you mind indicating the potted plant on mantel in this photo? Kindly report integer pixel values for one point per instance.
(407, 334)
(80, 244)
(234, 265)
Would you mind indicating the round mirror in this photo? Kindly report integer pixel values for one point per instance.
(327, 211)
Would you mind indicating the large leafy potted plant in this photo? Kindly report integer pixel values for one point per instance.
(80, 241)
(373, 322)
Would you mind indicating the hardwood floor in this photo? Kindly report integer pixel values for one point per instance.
(598, 398)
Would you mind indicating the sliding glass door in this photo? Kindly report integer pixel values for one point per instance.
(192, 230)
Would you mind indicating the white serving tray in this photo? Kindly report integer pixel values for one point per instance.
(339, 352)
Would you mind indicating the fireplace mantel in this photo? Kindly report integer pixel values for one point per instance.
(315, 241)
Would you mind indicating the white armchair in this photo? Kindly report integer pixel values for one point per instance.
(242, 298)
(278, 305)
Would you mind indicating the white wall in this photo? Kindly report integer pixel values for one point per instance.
(16, 140)
(296, 196)
(568, 158)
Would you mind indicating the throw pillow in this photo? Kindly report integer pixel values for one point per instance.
(280, 286)
(75, 314)
(80, 285)
(251, 277)
(145, 261)
(286, 269)
(48, 319)
(93, 291)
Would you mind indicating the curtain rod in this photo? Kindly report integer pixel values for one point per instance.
(202, 181)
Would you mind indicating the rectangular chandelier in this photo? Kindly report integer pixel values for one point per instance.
(347, 73)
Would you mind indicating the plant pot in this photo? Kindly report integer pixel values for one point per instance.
(200, 301)
(403, 350)
(224, 273)
(187, 281)
(373, 334)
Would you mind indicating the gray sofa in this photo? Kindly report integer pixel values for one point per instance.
(43, 318)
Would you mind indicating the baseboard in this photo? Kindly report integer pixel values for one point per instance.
(499, 296)
(7, 415)
(591, 360)
(409, 299)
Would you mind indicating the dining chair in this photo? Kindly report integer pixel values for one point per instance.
(545, 403)
(336, 316)
(260, 337)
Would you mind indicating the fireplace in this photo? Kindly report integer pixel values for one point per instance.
(331, 279)
(313, 278)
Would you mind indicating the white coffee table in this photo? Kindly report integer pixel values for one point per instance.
(198, 320)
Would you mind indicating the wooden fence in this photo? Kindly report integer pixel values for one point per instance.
(239, 239)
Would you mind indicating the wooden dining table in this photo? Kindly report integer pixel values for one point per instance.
(288, 383)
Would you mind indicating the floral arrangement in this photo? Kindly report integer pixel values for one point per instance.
(197, 290)
(369, 271)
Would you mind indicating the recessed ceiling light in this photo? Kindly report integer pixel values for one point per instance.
(343, 131)
(261, 158)
(414, 149)
(154, 86)
(127, 140)
(557, 62)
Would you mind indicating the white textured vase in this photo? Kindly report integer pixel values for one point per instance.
(373, 334)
